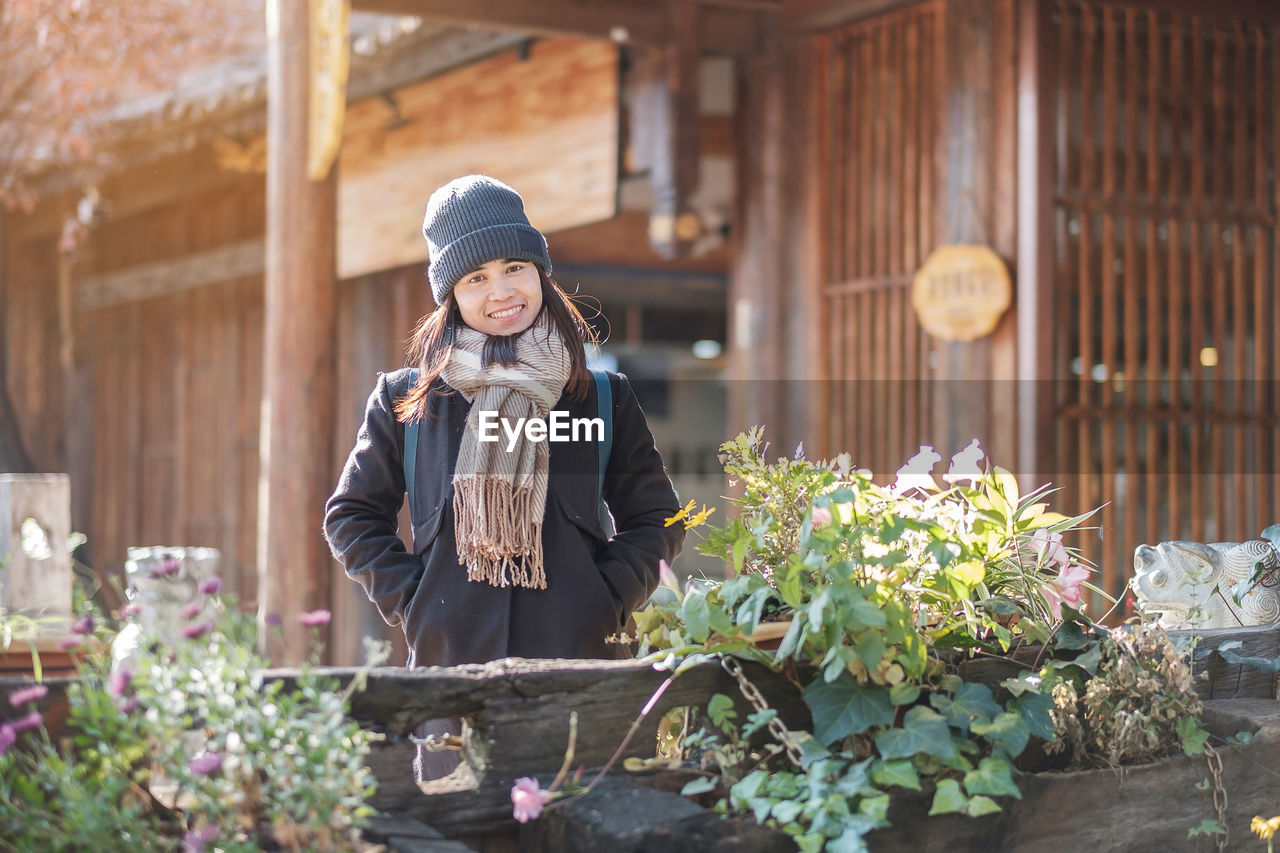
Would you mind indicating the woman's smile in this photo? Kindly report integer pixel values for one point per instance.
(501, 298)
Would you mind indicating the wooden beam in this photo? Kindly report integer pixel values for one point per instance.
(723, 28)
(162, 278)
(813, 15)
(295, 453)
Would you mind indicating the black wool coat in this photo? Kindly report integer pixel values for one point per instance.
(593, 582)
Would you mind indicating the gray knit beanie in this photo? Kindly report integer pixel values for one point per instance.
(471, 221)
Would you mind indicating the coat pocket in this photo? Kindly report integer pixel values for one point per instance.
(426, 530)
(584, 515)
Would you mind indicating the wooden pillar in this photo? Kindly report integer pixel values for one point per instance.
(757, 283)
(976, 189)
(77, 413)
(13, 451)
(1036, 186)
(296, 435)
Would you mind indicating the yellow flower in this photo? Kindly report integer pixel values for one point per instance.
(1265, 829)
(679, 516)
(699, 518)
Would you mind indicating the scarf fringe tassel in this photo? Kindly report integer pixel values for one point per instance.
(495, 542)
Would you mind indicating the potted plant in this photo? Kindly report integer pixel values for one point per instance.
(890, 597)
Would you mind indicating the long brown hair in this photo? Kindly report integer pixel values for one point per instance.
(430, 344)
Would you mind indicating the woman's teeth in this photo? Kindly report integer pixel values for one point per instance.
(507, 312)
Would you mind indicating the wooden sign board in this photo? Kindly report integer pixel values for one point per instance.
(547, 124)
(961, 292)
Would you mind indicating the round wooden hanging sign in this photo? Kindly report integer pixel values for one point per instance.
(961, 292)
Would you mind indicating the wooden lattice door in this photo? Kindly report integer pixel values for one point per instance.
(1167, 339)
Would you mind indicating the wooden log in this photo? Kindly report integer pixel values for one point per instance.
(623, 817)
(518, 712)
(1218, 679)
(295, 453)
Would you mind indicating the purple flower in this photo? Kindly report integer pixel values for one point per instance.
(273, 619)
(211, 586)
(34, 693)
(118, 682)
(196, 629)
(7, 737)
(128, 706)
(168, 566)
(83, 625)
(196, 839)
(203, 765)
(30, 721)
(130, 610)
(192, 610)
(315, 618)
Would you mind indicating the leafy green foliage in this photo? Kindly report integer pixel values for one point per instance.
(244, 761)
(887, 591)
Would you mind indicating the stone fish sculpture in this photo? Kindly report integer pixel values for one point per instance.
(1189, 584)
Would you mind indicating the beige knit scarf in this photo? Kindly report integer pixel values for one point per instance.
(499, 496)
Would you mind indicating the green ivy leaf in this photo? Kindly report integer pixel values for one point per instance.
(993, 778)
(785, 811)
(870, 648)
(693, 613)
(1008, 731)
(981, 805)
(1192, 735)
(1071, 636)
(971, 700)
(757, 721)
(866, 614)
(923, 730)
(904, 693)
(1036, 711)
(720, 710)
(844, 708)
(900, 773)
(748, 615)
(698, 786)
(948, 798)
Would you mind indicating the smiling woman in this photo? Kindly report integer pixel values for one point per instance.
(510, 555)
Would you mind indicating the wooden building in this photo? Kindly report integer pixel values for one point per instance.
(199, 366)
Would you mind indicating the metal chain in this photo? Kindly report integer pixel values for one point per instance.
(789, 740)
(1214, 759)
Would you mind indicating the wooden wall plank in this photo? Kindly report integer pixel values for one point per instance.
(502, 102)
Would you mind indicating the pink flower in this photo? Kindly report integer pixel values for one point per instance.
(1065, 589)
(170, 565)
(83, 625)
(128, 706)
(130, 610)
(7, 737)
(118, 682)
(192, 610)
(528, 798)
(821, 515)
(211, 586)
(315, 618)
(667, 576)
(203, 765)
(1049, 548)
(196, 629)
(34, 693)
(69, 643)
(30, 721)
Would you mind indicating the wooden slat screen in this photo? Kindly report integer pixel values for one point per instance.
(1167, 340)
(877, 128)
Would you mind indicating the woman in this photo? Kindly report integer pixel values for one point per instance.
(510, 557)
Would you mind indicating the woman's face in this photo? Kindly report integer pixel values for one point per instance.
(501, 298)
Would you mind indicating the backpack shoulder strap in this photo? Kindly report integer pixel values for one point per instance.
(410, 449)
(604, 410)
